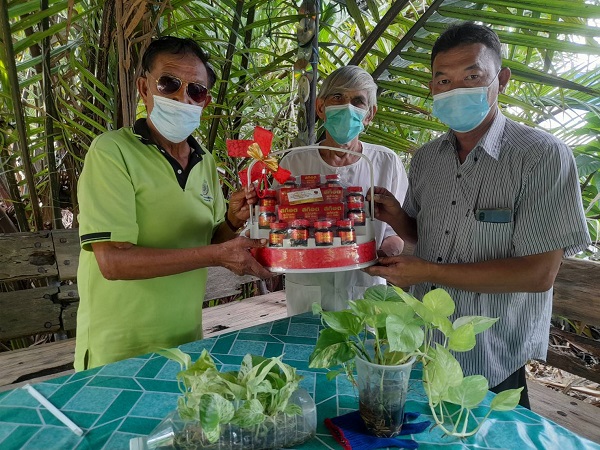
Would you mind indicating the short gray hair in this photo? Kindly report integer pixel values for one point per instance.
(350, 78)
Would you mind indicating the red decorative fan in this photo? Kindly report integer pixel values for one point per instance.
(258, 149)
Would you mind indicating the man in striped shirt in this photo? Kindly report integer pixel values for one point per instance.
(492, 206)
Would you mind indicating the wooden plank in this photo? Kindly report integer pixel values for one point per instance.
(575, 415)
(68, 293)
(576, 291)
(26, 256)
(69, 316)
(591, 346)
(66, 247)
(28, 312)
(244, 313)
(33, 360)
(573, 365)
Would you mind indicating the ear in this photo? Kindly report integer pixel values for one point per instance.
(369, 117)
(320, 108)
(503, 78)
(207, 101)
(142, 87)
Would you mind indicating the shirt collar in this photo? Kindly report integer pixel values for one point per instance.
(142, 131)
(491, 142)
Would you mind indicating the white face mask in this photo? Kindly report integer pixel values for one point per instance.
(174, 120)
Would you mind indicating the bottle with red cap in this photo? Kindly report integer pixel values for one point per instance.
(299, 232)
(346, 231)
(356, 212)
(323, 232)
(266, 216)
(354, 194)
(279, 231)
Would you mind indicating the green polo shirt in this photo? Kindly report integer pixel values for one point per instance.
(131, 190)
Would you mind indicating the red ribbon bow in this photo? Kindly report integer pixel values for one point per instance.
(242, 148)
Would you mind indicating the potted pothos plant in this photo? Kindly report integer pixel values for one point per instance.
(259, 406)
(383, 335)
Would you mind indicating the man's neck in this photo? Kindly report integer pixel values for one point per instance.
(180, 151)
(339, 159)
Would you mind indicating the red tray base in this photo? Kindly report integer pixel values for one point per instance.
(279, 259)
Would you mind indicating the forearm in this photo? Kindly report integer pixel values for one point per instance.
(406, 227)
(535, 273)
(132, 262)
(228, 228)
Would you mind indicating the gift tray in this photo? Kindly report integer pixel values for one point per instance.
(321, 204)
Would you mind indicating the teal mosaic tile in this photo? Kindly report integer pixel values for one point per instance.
(115, 383)
(27, 416)
(66, 392)
(119, 441)
(257, 337)
(82, 420)
(325, 409)
(84, 374)
(138, 425)
(5, 430)
(347, 401)
(126, 368)
(224, 343)
(60, 437)
(91, 399)
(298, 340)
(325, 388)
(308, 381)
(18, 438)
(242, 348)
(151, 367)
(97, 437)
(171, 369)
(231, 360)
(322, 442)
(303, 329)
(297, 352)
(280, 327)
(159, 385)
(272, 350)
(19, 397)
(155, 405)
(198, 346)
(120, 407)
(264, 328)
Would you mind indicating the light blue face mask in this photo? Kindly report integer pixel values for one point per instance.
(462, 109)
(344, 122)
(174, 120)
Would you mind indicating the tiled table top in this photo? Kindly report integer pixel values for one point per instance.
(123, 400)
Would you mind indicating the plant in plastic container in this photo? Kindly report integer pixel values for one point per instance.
(390, 328)
(258, 406)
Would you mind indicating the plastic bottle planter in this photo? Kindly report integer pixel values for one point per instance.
(382, 395)
(281, 431)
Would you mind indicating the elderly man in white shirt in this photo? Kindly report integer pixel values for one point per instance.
(347, 103)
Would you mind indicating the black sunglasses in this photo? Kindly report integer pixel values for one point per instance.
(168, 85)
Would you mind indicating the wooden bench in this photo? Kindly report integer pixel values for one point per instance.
(577, 299)
(38, 294)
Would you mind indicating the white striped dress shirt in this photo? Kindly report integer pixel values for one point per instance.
(529, 172)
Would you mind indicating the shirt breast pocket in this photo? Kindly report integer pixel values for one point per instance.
(492, 240)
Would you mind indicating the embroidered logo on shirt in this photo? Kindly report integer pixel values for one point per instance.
(205, 194)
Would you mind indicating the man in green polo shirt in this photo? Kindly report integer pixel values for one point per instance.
(153, 217)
